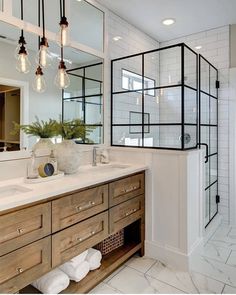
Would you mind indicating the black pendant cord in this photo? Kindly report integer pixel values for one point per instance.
(43, 15)
(22, 16)
(39, 21)
(60, 8)
(64, 9)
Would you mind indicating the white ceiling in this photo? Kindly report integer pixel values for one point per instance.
(191, 16)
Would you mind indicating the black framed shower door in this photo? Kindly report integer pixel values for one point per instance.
(208, 133)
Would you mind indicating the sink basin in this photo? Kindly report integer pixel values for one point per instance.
(12, 190)
(112, 167)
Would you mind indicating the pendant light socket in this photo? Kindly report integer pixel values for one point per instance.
(62, 65)
(44, 42)
(64, 22)
(22, 40)
(39, 71)
(22, 50)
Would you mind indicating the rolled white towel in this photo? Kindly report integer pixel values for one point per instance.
(77, 260)
(53, 282)
(75, 274)
(94, 258)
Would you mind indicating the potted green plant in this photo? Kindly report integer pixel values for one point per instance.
(44, 130)
(67, 152)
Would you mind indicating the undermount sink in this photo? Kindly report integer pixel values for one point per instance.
(12, 190)
(111, 167)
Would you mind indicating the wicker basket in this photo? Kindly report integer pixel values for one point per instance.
(111, 243)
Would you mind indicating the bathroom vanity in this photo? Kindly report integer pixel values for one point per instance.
(40, 235)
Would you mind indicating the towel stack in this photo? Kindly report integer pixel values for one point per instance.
(75, 269)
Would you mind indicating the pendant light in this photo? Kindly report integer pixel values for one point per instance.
(22, 63)
(43, 56)
(39, 84)
(62, 79)
(63, 33)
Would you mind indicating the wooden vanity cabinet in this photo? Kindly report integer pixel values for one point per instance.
(36, 239)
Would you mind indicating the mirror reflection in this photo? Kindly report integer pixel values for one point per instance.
(20, 103)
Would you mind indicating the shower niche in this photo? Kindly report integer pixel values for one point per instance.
(154, 100)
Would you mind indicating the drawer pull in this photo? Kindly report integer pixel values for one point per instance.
(130, 212)
(92, 233)
(128, 190)
(88, 205)
(19, 270)
(20, 231)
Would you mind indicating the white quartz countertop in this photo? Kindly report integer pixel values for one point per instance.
(86, 176)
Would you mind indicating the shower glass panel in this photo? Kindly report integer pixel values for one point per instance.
(160, 87)
(208, 115)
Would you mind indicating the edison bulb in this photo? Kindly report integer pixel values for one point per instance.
(63, 34)
(39, 84)
(44, 57)
(62, 79)
(23, 63)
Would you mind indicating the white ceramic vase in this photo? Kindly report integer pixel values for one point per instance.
(43, 144)
(67, 155)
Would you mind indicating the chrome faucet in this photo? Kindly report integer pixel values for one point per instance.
(94, 156)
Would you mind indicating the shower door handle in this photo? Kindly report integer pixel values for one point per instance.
(207, 151)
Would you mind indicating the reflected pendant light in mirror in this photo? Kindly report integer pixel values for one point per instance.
(22, 63)
(43, 56)
(39, 84)
(63, 34)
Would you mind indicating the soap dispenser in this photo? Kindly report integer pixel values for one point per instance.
(32, 171)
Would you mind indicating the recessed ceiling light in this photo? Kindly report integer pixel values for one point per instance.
(168, 21)
(198, 47)
(117, 38)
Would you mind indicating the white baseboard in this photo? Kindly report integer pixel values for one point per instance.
(171, 256)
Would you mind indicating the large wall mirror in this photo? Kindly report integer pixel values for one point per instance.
(83, 99)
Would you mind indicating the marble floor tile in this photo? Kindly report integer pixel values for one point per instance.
(232, 259)
(142, 264)
(213, 251)
(229, 290)
(190, 283)
(221, 232)
(131, 281)
(103, 288)
(219, 271)
(232, 233)
(113, 274)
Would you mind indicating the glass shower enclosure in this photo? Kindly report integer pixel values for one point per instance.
(167, 98)
(155, 99)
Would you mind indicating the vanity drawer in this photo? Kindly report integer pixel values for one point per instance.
(23, 266)
(126, 213)
(24, 226)
(76, 239)
(126, 188)
(78, 206)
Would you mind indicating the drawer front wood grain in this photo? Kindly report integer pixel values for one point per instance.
(78, 206)
(125, 189)
(23, 266)
(76, 239)
(126, 213)
(24, 226)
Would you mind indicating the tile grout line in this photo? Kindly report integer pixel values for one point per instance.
(223, 289)
(228, 257)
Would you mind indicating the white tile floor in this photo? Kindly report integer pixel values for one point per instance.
(213, 271)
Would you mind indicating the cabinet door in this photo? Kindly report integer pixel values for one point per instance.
(24, 226)
(126, 213)
(126, 188)
(78, 206)
(72, 241)
(23, 266)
